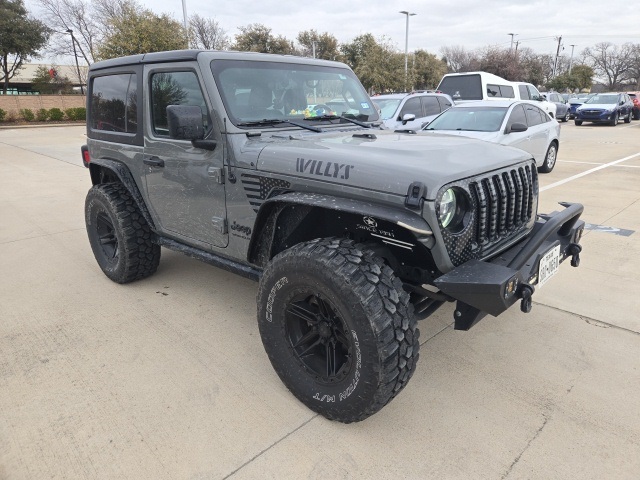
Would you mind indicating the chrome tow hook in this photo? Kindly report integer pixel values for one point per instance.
(574, 250)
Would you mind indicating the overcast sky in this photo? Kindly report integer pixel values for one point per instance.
(469, 23)
(461, 22)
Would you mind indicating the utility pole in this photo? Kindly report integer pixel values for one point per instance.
(406, 49)
(313, 45)
(555, 62)
(571, 60)
(512, 35)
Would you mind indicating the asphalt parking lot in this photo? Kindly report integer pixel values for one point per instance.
(166, 378)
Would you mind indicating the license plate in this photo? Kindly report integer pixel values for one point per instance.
(549, 265)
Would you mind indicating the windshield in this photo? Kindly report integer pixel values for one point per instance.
(487, 119)
(253, 91)
(388, 106)
(603, 99)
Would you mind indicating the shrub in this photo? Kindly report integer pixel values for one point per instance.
(77, 113)
(2, 115)
(55, 114)
(42, 115)
(27, 114)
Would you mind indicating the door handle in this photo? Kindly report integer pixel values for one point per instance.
(153, 161)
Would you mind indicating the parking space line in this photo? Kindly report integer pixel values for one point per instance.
(580, 175)
(597, 163)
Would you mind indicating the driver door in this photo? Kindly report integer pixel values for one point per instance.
(184, 184)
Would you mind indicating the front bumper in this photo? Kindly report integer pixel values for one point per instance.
(602, 116)
(492, 286)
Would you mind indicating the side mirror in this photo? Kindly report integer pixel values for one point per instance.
(185, 122)
(517, 127)
(408, 117)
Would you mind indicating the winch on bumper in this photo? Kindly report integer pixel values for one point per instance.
(492, 286)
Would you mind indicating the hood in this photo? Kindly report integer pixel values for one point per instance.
(597, 106)
(485, 136)
(384, 161)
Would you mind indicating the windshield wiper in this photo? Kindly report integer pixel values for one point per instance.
(275, 121)
(342, 117)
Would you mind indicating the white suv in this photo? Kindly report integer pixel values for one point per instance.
(409, 111)
(527, 91)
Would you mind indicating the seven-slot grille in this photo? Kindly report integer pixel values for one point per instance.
(504, 202)
(502, 205)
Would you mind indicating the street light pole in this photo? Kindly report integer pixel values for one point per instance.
(75, 54)
(184, 14)
(571, 59)
(406, 48)
(512, 35)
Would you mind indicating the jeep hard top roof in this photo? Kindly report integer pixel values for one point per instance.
(191, 55)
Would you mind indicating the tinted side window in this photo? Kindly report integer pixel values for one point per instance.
(534, 116)
(431, 106)
(444, 103)
(462, 87)
(493, 91)
(114, 103)
(175, 88)
(506, 91)
(517, 116)
(533, 92)
(524, 93)
(411, 106)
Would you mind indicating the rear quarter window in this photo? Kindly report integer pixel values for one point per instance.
(114, 103)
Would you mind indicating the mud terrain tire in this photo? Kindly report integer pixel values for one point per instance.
(338, 328)
(120, 237)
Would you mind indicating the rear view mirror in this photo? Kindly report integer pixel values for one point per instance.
(517, 127)
(408, 117)
(185, 122)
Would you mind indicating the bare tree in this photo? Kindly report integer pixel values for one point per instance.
(89, 21)
(458, 59)
(610, 62)
(207, 33)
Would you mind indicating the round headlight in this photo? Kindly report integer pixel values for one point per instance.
(447, 207)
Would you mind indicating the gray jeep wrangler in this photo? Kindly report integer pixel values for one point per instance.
(275, 168)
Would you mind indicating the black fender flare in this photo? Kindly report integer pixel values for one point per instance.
(123, 173)
(405, 219)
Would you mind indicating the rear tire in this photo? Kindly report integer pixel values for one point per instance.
(627, 119)
(338, 328)
(566, 117)
(119, 235)
(549, 159)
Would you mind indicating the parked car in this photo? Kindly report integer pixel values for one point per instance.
(474, 86)
(576, 101)
(412, 110)
(635, 98)
(526, 91)
(516, 123)
(605, 108)
(562, 106)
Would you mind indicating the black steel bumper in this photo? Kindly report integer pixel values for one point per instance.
(492, 286)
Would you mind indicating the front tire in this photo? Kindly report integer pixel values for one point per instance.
(577, 122)
(549, 159)
(119, 235)
(614, 120)
(337, 327)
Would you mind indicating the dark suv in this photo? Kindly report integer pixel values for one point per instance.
(275, 168)
(606, 108)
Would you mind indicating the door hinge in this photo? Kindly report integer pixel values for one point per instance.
(217, 173)
(220, 224)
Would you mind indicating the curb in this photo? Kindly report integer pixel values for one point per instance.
(38, 125)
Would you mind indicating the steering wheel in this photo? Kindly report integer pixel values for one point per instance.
(322, 109)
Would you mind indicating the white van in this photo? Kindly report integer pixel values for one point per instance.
(471, 86)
